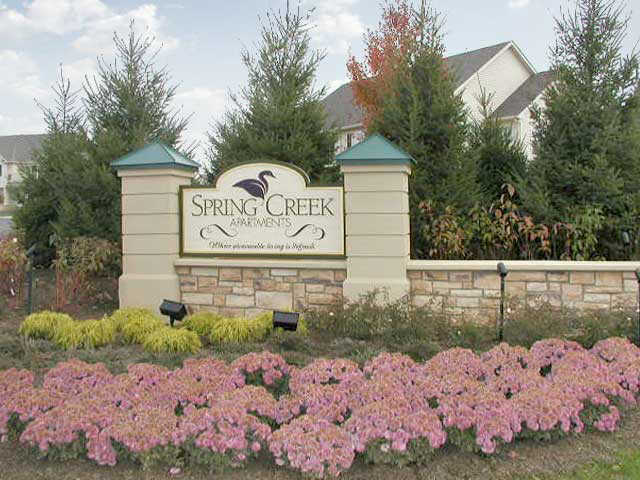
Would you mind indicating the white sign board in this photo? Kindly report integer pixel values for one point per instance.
(262, 209)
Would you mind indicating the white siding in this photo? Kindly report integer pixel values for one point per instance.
(501, 77)
(357, 135)
(526, 126)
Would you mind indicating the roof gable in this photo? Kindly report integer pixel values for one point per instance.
(524, 96)
(19, 148)
(342, 111)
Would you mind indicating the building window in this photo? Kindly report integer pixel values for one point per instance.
(349, 140)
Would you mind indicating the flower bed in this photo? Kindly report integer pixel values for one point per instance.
(392, 410)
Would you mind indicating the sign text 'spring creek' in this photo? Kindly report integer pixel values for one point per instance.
(276, 205)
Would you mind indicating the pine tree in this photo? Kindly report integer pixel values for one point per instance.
(586, 144)
(421, 113)
(73, 190)
(500, 158)
(278, 115)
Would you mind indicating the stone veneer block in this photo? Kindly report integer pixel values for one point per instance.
(280, 272)
(240, 301)
(198, 298)
(436, 275)
(466, 293)
(572, 292)
(558, 276)
(207, 283)
(486, 280)
(340, 275)
(583, 278)
(321, 299)
(321, 275)
(183, 270)
(274, 300)
(597, 298)
(252, 273)
(204, 271)
(525, 276)
(609, 278)
(461, 276)
(268, 284)
(231, 274)
(414, 274)
(630, 285)
(536, 287)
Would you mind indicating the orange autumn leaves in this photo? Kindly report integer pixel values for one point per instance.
(401, 28)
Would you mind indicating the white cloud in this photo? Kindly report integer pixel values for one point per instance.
(207, 105)
(336, 25)
(518, 3)
(76, 71)
(19, 75)
(93, 21)
(98, 37)
(334, 84)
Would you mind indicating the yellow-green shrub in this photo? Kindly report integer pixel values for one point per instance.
(98, 332)
(238, 330)
(43, 324)
(85, 334)
(120, 317)
(167, 339)
(201, 323)
(136, 328)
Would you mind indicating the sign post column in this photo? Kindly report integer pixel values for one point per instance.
(377, 218)
(151, 178)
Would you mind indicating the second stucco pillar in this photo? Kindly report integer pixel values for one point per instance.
(376, 183)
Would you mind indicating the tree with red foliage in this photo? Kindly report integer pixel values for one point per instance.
(409, 96)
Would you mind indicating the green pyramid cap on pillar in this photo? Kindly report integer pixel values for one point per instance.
(374, 149)
(154, 155)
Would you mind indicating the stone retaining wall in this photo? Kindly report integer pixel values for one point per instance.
(474, 287)
(248, 291)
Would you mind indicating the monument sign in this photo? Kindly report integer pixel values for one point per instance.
(262, 209)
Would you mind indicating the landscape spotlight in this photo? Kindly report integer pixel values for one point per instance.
(174, 310)
(626, 239)
(286, 320)
(503, 272)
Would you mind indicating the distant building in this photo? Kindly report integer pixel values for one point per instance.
(501, 70)
(16, 152)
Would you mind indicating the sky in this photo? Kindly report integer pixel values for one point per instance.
(202, 42)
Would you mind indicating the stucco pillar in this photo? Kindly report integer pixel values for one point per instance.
(376, 183)
(151, 179)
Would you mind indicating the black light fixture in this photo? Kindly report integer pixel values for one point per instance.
(286, 320)
(638, 307)
(503, 272)
(174, 310)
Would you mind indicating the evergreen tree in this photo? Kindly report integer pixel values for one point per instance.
(500, 158)
(40, 191)
(586, 143)
(73, 190)
(420, 112)
(278, 115)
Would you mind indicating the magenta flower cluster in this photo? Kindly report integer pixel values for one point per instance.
(333, 410)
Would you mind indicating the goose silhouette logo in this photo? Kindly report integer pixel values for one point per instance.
(256, 188)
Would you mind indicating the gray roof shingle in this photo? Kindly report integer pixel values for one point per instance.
(524, 95)
(19, 148)
(342, 111)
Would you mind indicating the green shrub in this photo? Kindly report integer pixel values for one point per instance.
(122, 316)
(201, 323)
(172, 340)
(136, 330)
(85, 334)
(241, 330)
(43, 324)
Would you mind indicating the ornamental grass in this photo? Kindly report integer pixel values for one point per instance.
(391, 410)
